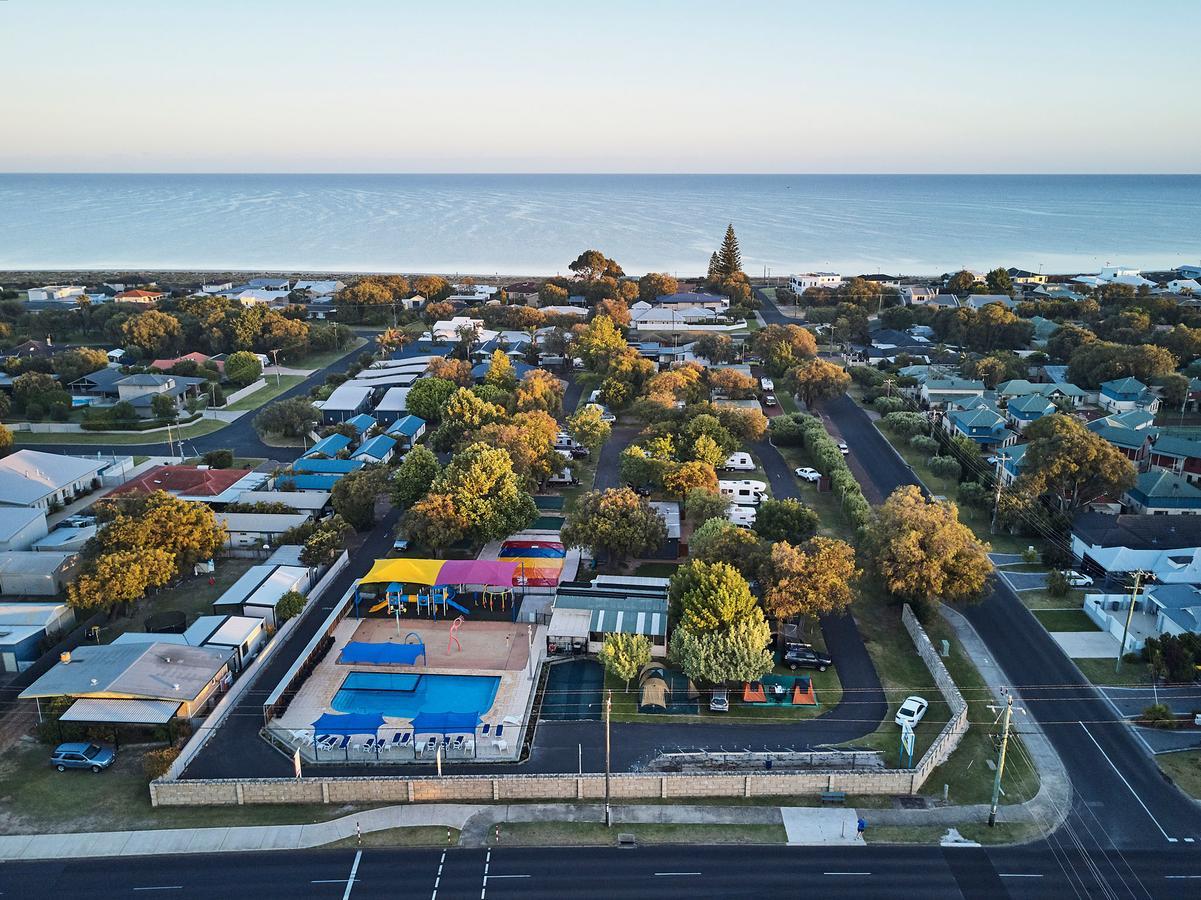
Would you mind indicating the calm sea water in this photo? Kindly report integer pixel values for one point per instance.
(525, 224)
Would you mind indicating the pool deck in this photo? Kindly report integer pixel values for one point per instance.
(501, 649)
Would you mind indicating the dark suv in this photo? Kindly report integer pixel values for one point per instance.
(802, 656)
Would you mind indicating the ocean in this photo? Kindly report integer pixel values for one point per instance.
(536, 224)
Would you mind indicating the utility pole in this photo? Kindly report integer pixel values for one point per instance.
(275, 359)
(888, 383)
(1138, 583)
(996, 503)
(996, 785)
(608, 711)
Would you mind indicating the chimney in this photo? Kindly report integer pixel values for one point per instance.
(64, 657)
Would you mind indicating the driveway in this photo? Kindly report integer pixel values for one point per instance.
(1006, 559)
(1086, 644)
(1024, 581)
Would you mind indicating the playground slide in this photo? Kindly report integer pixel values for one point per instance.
(462, 609)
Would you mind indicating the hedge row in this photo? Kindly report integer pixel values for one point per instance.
(803, 430)
(137, 425)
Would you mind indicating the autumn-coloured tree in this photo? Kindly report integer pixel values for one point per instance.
(456, 371)
(616, 523)
(539, 390)
(1070, 465)
(814, 579)
(615, 309)
(529, 439)
(732, 384)
(120, 577)
(153, 332)
(588, 428)
(435, 522)
(653, 285)
(783, 346)
(500, 371)
(592, 264)
(485, 492)
(687, 476)
(720, 631)
(816, 379)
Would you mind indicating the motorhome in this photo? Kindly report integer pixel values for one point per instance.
(563, 479)
(767, 384)
(742, 516)
(746, 491)
(739, 462)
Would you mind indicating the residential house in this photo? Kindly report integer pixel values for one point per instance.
(38, 480)
(1167, 547)
(256, 296)
(1021, 411)
(1125, 394)
(984, 425)
(979, 301)
(1179, 455)
(217, 287)
(362, 423)
(648, 317)
(918, 294)
(1023, 276)
(311, 503)
(308, 465)
(892, 281)
(257, 529)
(1189, 271)
(940, 392)
(56, 293)
(346, 402)
(159, 682)
(310, 481)
(201, 359)
(140, 390)
(1184, 286)
(407, 430)
(1059, 393)
(32, 348)
(325, 288)
(378, 449)
(1043, 329)
(139, 297)
(525, 292)
(36, 573)
(1134, 442)
(1160, 493)
(196, 484)
(700, 299)
(1012, 460)
(798, 284)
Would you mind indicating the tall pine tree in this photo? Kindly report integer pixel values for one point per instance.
(713, 274)
(729, 257)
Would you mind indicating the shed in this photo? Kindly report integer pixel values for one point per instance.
(407, 430)
(21, 526)
(346, 402)
(256, 529)
(393, 406)
(308, 502)
(38, 574)
(258, 591)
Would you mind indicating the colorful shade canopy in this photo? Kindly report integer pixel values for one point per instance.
(442, 571)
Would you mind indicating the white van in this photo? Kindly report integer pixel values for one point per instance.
(563, 479)
(564, 441)
(746, 491)
(766, 383)
(739, 462)
(742, 516)
(595, 396)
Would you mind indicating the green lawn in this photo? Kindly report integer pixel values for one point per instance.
(1184, 768)
(573, 834)
(656, 570)
(1044, 599)
(1002, 833)
(265, 394)
(787, 402)
(1065, 620)
(323, 358)
(1101, 671)
(412, 836)
(121, 438)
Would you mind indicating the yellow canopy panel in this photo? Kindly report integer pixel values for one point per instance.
(410, 571)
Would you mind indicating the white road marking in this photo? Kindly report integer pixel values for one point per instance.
(438, 877)
(1171, 840)
(487, 863)
(1182, 876)
(672, 874)
(508, 876)
(163, 887)
(846, 873)
(354, 868)
(1016, 875)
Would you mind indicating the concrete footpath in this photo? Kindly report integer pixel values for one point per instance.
(477, 823)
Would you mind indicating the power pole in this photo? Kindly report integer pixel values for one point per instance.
(275, 360)
(608, 711)
(996, 503)
(1138, 583)
(996, 785)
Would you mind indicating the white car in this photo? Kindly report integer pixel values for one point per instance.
(1077, 579)
(911, 711)
(993, 460)
(807, 474)
(843, 448)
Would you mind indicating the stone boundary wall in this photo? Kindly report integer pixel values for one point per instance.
(952, 733)
(244, 392)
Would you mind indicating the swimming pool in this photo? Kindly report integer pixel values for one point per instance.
(405, 695)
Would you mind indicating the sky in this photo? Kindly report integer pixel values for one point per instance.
(613, 86)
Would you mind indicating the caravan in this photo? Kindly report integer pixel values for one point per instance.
(739, 462)
(744, 491)
(742, 516)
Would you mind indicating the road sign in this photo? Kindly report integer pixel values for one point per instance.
(907, 742)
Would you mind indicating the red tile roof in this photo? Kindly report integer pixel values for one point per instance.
(184, 480)
(196, 357)
(138, 294)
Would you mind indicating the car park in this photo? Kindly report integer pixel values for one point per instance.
(1078, 579)
(807, 474)
(82, 755)
(803, 656)
(719, 700)
(911, 711)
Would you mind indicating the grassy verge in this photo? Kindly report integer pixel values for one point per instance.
(1100, 671)
(1184, 768)
(320, 360)
(1064, 620)
(594, 834)
(413, 836)
(265, 394)
(1044, 599)
(121, 438)
(1004, 833)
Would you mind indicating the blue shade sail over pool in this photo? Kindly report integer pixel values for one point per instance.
(348, 724)
(408, 696)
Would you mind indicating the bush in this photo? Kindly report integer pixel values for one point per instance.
(945, 467)
(906, 424)
(1057, 584)
(60, 412)
(155, 763)
(974, 495)
(289, 606)
(923, 443)
(218, 459)
(1159, 715)
(886, 405)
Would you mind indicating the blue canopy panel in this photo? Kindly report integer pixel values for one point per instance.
(381, 654)
(446, 723)
(348, 723)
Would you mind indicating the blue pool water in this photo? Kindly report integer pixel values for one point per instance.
(405, 695)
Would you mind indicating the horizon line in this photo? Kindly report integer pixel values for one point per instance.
(640, 173)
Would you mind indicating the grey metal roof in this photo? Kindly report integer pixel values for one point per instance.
(29, 475)
(121, 712)
(155, 671)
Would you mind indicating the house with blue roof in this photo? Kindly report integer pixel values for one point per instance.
(1160, 493)
(362, 423)
(1130, 432)
(983, 425)
(938, 392)
(1124, 394)
(1021, 411)
(326, 466)
(1179, 455)
(1012, 462)
(1063, 392)
(1176, 607)
(378, 449)
(329, 446)
(307, 482)
(407, 430)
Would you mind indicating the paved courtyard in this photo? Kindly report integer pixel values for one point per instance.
(1087, 644)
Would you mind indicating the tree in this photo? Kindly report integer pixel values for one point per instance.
(465, 412)
(816, 379)
(529, 439)
(73, 364)
(354, 496)
(324, 543)
(710, 597)
(447, 368)
(785, 520)
(638, 467)
(539, 390)
(783, 346)
(814, 579)
(243, 367)
(719, 540)
(485, 493)
(587, 427)
(434, 288)
(615, 309)
(293, 417)
(551, 294)
(736, 654)
(703, 505)
(435, 522)
(706, 450)
(153, 332)
(615, 523)
(999, 282)
(163, 406)
(717, 348)
(6, 441)
(729, 256)
(289, 606)
(37, 390)
(906, 424)
(923, 554)
(119, 577)
(732, 384)
(427, 398)
(1066, 339)
(945, 467)
(1071, 465)
(623, 655)
(413, 477)
(653, 285)
(679, 480)
(500, 371)
(1095, 362)
(592, 264)
(600, 344)
(720, 632)
(961, 282)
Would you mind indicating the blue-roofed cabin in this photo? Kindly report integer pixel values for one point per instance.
(327, 466)
(1021, 411)
(329, 446)
(1160, 493)
(982, 425)
(407, 430)
(362, 423)
(378, 449)
(307, 482)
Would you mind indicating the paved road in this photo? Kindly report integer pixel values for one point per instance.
(667, 872)
(238, 436)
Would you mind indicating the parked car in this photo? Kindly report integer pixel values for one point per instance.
(640, 489)
(769, 400)
(1078, 579)
(400, 545)
(843, 448)
(807, 474)
(719, 700)
(82, 755)
(802, 656)
(605, 415)
(579, 452)
(911, 711)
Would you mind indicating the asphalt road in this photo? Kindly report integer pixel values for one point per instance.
(667, 872)
(238, 435)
